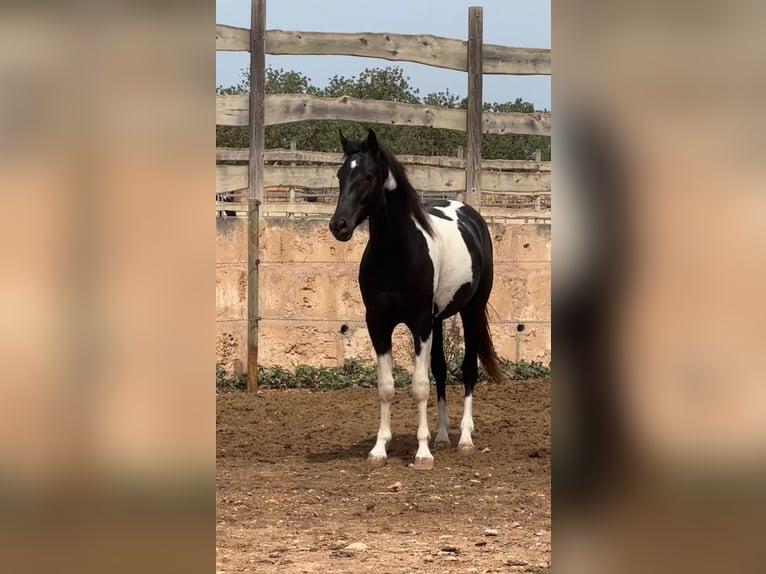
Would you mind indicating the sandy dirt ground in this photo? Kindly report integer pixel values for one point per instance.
(295, 494)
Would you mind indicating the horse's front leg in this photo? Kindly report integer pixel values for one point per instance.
(422, 337)
(381, 339)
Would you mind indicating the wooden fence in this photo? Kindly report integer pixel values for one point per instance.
(419, 48)
(304, 183)
(477, 182)
(493, 186)
(288, 108)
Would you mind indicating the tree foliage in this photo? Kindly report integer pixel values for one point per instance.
(389, 84)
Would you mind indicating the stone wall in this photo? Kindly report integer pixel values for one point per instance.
(312, 309)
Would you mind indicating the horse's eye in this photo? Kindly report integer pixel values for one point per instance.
(368, 176)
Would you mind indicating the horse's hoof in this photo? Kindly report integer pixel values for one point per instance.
(442, 443)
(423, 463)
(376, 461)
(466, 449)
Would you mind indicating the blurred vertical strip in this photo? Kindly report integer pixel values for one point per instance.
(659, 271)
(107, 440)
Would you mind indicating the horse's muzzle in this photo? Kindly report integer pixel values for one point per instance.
(341, 228)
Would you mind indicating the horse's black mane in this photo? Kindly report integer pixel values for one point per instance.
(404, 189)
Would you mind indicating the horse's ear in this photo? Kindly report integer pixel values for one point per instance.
(372, 141)
(344, 143)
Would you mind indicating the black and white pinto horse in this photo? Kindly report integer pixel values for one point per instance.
(227, 198)
(421, 266)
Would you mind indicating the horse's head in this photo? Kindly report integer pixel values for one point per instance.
(364, 178)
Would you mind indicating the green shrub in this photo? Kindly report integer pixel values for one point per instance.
(454, 353)
(225, 382)
(522, 370)
(354, 373)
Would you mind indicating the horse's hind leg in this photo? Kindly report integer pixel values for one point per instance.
(474, 332)
(470, 372)
(439, 369)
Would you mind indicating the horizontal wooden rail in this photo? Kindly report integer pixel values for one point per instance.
(288, 108)
(302, 156)
(324, 209)
(435, 51)
(505, 213)
(423, 178)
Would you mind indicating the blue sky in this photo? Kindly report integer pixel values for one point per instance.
(524, 23)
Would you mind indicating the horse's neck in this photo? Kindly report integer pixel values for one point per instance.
(391, 227)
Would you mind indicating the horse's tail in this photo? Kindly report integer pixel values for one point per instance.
(485, 348)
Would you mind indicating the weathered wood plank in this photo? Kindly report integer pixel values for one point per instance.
(288, 108)
(231, 38)
(425, 49)
(423, 178)
(474, 112)
(230, 206)
(230, 178)
(241, 154)
(232, 110)
(302, 208)
(255, 179)
(509, 60)
(282, 154)
(505, 213)
(301, 156)
(419, 48)
(326, 209)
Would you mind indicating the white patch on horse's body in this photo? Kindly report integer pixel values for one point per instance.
(466, 424)
(442, 425)
(420, 391)
(390, 183)
(352, 165)
(449, 255)
(386, 396)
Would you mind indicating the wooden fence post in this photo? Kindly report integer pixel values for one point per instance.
(255, 180)
(475, 101)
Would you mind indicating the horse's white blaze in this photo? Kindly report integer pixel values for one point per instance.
(420, 388)
(466, 424)
(352, 165)
(442, 423)
(449, 255)
(390, 183)
(386, 396)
